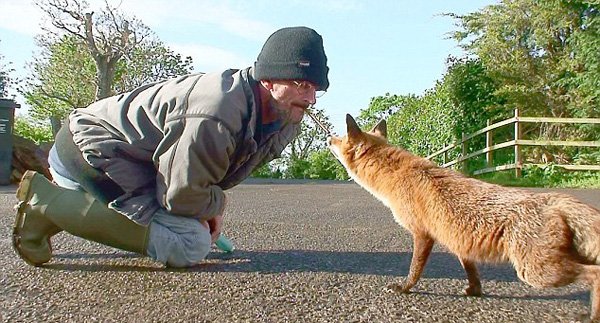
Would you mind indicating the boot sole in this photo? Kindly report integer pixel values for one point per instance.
(23, 197)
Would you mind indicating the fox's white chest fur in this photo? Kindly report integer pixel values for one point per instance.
(399, 215)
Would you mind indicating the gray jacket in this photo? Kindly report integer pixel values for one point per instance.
(178, 144)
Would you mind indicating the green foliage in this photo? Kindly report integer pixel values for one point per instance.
(323, 165)
(420, 125)
(35, 130)
(548, 176)
(297, 168)
(587, 157)
(64, 75)
(472, 91)
(267, 170)
(75, 68)
(383, 107)
(580, 179)
(461, 103)
(311, 138)
(539, 53)
(149, 62)
(538, 56)
(62, 79)
(294, 162)
(583, 76)
(320, 164)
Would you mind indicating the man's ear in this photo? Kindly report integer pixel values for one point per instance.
(381, 128)
(267, 84)
(351, 127)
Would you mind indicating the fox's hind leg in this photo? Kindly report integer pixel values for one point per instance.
(422, 245)
(591, 275)
(474, 288)
(551, 260)
(555, 269)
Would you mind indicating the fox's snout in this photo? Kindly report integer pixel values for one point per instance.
(333, 143)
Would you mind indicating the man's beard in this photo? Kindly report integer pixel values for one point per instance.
(284, 114)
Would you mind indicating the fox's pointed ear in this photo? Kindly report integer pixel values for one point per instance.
(352, 127)
(381, 128)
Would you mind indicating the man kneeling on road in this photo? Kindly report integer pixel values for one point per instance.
(145, 171)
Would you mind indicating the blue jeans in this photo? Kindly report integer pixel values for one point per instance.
(173, 240)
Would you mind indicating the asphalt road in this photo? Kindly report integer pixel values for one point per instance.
(306, 252)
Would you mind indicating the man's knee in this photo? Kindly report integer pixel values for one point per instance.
(177, 248)
(189, 250)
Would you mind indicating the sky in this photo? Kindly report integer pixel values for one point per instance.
(373, 47)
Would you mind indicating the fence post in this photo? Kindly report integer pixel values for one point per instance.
(489, 156)
(518, 163)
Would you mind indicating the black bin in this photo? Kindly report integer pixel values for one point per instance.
(7, 121)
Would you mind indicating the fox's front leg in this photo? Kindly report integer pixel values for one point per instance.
(422, 245)
(474, 288)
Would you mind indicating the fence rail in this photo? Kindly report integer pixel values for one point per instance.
(517, 143)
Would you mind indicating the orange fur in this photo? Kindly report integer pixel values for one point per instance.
(551, 239)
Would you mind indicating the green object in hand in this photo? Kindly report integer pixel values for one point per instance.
(224, 244)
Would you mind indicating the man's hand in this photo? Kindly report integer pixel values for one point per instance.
(215, 225)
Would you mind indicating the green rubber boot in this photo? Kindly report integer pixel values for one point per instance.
(32, 231)
(45, 209)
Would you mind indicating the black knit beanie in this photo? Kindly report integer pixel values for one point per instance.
(293, 53)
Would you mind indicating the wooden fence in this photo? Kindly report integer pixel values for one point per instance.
(517, 143)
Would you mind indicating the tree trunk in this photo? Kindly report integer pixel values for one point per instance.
(105, 77)
(55, 123)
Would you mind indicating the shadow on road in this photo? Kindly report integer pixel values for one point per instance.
(440, 265)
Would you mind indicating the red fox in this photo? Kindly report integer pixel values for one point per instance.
(551, 239)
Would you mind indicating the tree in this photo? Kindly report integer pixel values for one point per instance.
(62, 79)
(295, 159)
(473, 92)
(108, 35)
(311, 138)
(5, 80)
(77, 60)
(383, 107)
(323, 165)
(585, 84)
(539, 52)
(543, 58)
(419, 124)
(150, 61)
